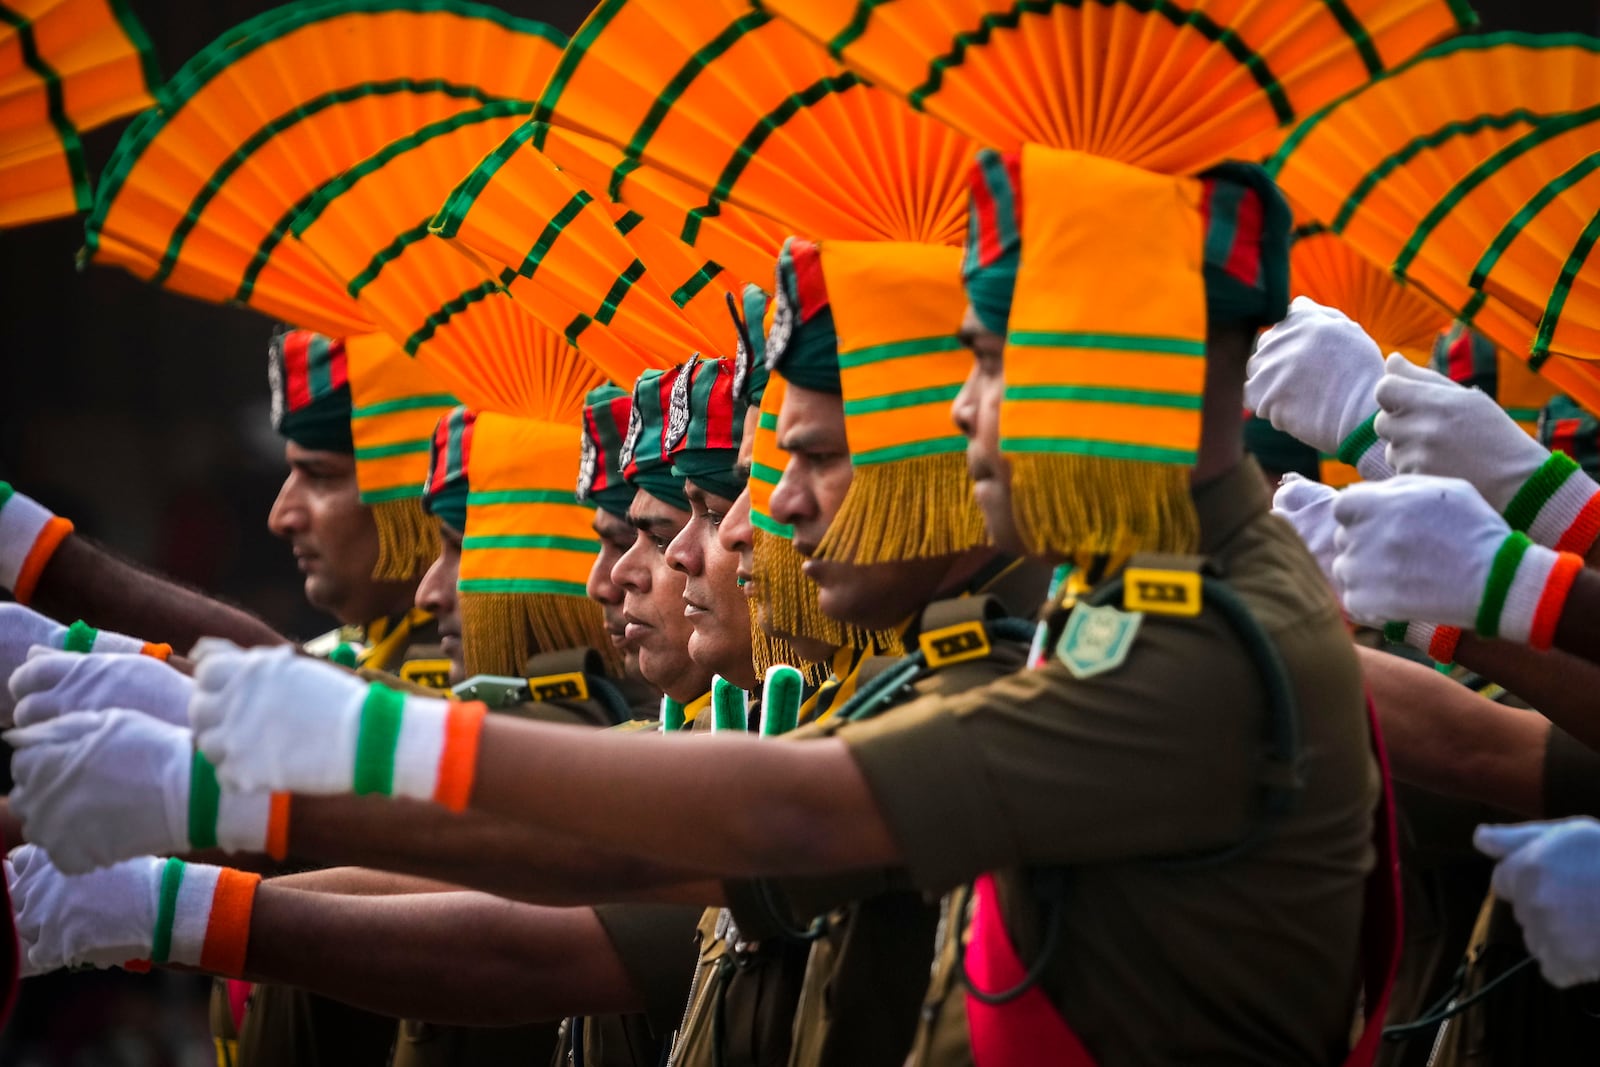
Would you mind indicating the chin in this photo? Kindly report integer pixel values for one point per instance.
(857, 608)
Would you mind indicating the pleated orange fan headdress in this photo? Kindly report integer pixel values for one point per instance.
(596, 272)
(201, 191)
(1490, 209)
(66, 67)
(394, 406)
(1168, 88)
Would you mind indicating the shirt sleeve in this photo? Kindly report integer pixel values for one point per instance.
(1571, 777)
(1158, 757)
(656, 943)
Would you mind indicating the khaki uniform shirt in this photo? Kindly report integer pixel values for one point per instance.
(1249, 962)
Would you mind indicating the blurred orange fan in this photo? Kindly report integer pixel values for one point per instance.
(746, 110)
(558, 248)
(1170, 88)
(201, 191)
(1331, 272)
(369, 228)
(1493, 210)
(66, 67)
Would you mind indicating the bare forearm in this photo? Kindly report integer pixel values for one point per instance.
(483, 852)
(730, 806)
(1446, 739)
(459, 958)
(361, 882)
(1578, 632)
(1561, 686)
(83, 580)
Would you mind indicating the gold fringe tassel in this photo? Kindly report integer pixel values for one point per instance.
(910, 509)
(408, 540)
(787, 600)
(502, 630)
(767, 651)
(1069, 505)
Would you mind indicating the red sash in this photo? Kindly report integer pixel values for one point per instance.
(1029, 1032)
(238, 997)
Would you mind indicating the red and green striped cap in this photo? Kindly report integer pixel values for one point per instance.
(644, 458)
(310, 381)
(1467, 358)
(750, 371)
(704, 427)
(994, 237)
(1247, 225)
(605, 424)
(444, 494)
(1567, 427)
(803, 345)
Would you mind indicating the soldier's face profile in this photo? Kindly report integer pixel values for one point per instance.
(652, 600)
(712, 600)
(976, 413)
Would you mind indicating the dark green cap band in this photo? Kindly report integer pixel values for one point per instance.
(644, 459)
(1278, 451)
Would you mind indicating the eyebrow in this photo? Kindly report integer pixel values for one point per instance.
(808, 442)
(648, 523)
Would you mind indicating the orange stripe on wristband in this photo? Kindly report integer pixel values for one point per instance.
(44, 546)
(458, 763)
(1442, 647)
(1580, 536)
(228, 928)
(1545, 617)
(278, 826)
(162, 652)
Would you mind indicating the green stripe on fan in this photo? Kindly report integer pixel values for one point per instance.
(910, 398)
(916, 346)
(520, 496)
(1114, 342)
(1098, 394)
(425, 332)
(586, 545)
(397, 448)
(404, 403)
(523, 586)
(1097, 449)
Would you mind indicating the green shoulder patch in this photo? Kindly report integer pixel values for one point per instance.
(1097, 639)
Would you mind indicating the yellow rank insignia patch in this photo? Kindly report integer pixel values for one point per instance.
(1097, 639)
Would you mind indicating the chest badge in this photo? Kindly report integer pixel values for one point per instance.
(1097, 639)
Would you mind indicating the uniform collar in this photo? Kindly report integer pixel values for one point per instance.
(1227, 502)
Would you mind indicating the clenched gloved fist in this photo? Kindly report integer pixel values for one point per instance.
(1312, 376)
(1550, 874)
(50, 683)
(1431, 425)
(22, 629)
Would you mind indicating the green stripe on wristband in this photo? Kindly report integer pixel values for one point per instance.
(377, 739)
(5, 493)
(1363, 437)
(205, 798)
(1395, 632)
(1537, 490)
(80, 638)
(1501, 573)
(166, 910)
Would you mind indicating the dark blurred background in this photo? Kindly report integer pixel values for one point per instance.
(143, 416)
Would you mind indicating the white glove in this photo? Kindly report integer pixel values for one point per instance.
(95, 787)
(1434, 426)
(1550, 874)
(269, 719)
(54, 683)
(1312, 377)
(104, 919)
(29, 536)
(115, 916)
(24, 968)
(1432, 548)
(22, 628)
(1308, 507)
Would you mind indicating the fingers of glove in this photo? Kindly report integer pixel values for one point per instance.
(44, 668)
(207, 647)
(1297, 493)
(61, 730)
(1498, 842)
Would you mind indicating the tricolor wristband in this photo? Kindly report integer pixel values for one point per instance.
(235, 822)
(1558, 507)
(417, 747)
(1364, 451)
(29, 536)
(81, 637)
(1526, 591)
(203, 917)
(1439, 642)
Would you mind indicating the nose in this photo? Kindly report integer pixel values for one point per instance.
(684, 553)
(436, 593)
(288, 516)
(600, 587)
(963, 412)
(631, 573)
(734, 533)
(792, 500)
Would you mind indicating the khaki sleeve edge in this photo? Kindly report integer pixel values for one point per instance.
(656, 944)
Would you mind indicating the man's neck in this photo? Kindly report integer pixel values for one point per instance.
(1221, 413)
